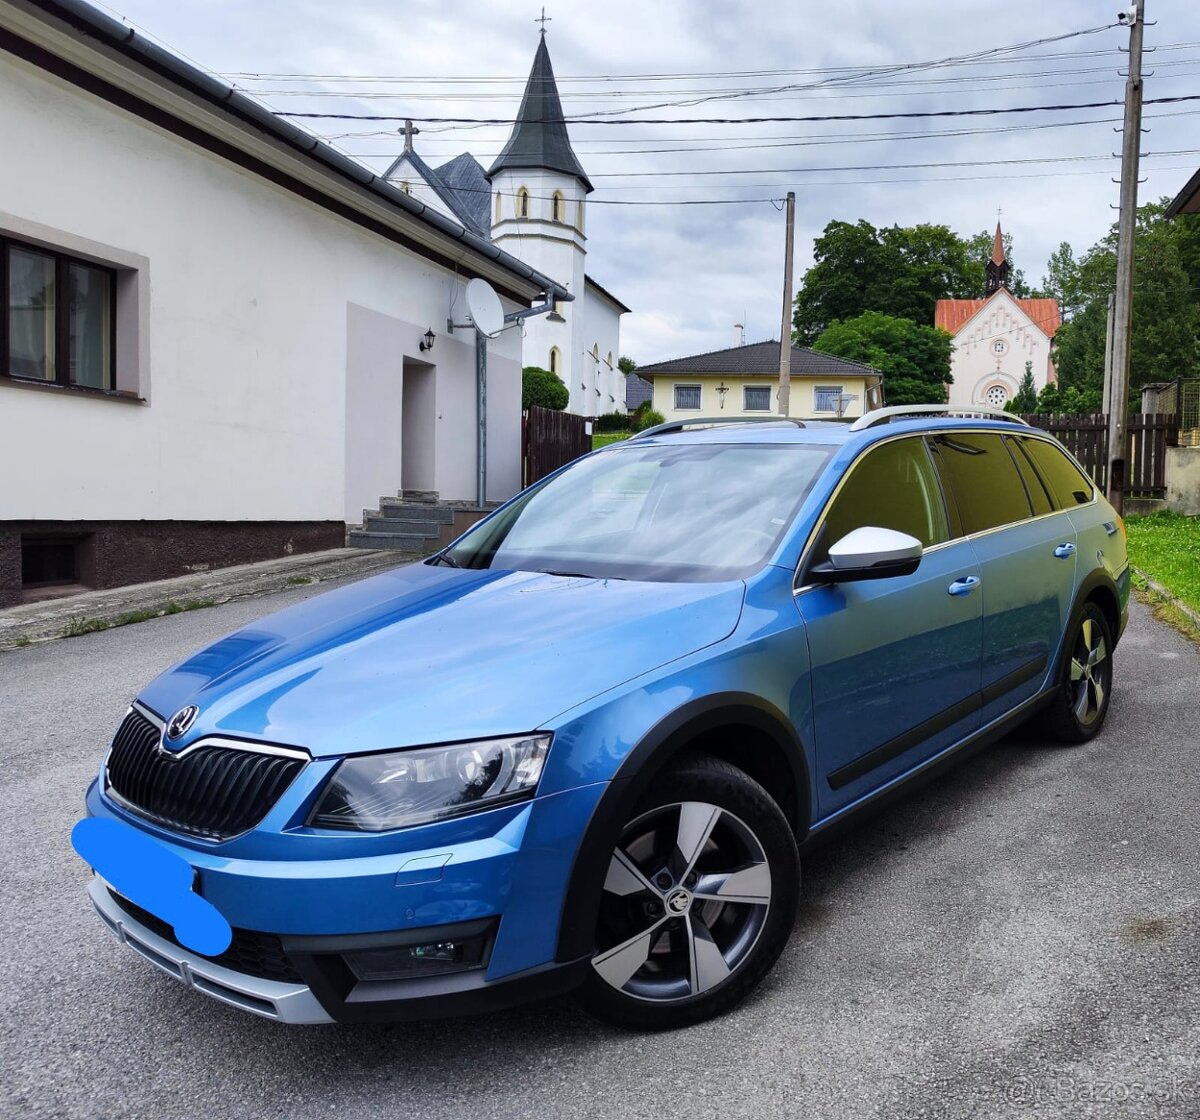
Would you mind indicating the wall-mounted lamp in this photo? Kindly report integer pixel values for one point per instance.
(427, 341)
(722, 389)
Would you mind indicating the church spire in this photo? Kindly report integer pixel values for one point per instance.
(997, 267)
(539, 137)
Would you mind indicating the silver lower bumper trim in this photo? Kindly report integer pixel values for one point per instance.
(272, 999)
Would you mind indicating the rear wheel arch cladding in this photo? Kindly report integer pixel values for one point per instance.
(704, 726)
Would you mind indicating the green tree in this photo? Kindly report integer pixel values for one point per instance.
(913, 358)
(900, 271)
(1166, 304)
(542, 388)
(1026, 398)
(626, 365)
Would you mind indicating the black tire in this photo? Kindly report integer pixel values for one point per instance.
(1080, 702)
(702, 824)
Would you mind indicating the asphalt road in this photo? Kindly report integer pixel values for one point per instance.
(1020, 938)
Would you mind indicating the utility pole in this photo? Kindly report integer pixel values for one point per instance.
(785, 328)
(1118, 389)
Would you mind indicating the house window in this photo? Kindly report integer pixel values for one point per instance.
(558, 207)
(687, 398)
(522, 203)
(827, 398)
(59, 320)
(555, 360)
(756, 398)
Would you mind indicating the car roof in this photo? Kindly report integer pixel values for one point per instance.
(822, 432)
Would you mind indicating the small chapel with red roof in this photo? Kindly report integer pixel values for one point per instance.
(995, 336)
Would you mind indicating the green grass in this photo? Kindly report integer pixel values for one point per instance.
(300, 581)
(1166, 546)
(81, 625)
(603, 439)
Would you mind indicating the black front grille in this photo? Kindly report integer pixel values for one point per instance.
(211, 791)
(255, 954)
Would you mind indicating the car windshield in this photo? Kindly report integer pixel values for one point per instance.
(699, 512)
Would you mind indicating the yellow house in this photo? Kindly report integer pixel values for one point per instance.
(744, 381)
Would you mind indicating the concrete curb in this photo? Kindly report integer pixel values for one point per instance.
(30, 623)
(1172, 600)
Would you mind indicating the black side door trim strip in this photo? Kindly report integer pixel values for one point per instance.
(905, 741)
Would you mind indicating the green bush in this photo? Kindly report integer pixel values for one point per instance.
(542, 388)
(641, 420)
(611, 422)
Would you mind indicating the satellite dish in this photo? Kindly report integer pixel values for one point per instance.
(483, 308)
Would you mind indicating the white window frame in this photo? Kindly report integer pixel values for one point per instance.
(699, 397)
(840, 390)
(746, 389)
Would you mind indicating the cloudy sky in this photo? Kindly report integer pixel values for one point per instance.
(691, 272)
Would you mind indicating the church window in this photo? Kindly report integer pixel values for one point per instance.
(406, 186)
(555, 360)
(522, 203)
(558, 208)
(499, 212)
(609, 360)
(999, 346)
(596, 352)
(579, 215)
(558, 307)
(996, 396)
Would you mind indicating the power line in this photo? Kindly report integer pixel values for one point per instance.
(925, 113)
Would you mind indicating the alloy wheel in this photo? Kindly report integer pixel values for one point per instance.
(685, 898)
(1090, 673)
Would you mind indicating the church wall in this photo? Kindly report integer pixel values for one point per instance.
(990, 352)
(602, 334)
(240, 295)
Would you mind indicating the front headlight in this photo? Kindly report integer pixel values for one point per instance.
(375, 792)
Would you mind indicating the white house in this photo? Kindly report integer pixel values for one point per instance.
(532, 202)
(995, 336)
(214, 344)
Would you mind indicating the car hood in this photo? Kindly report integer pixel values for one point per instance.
(427, 654)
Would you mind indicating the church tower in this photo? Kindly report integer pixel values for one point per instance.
(997, 268)
(539, 191)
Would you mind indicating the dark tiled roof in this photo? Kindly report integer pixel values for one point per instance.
(760, 358)
(466, 179)
(605, 293)
(637, 389)
(539, 138)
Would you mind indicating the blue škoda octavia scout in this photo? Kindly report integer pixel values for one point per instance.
(582, 748)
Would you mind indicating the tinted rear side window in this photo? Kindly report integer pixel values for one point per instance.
(1067, 484)
(982, 479)
(1034, 486)
(892, 486)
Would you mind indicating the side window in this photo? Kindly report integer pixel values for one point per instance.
(893, 486)
(1067, 485)
(981, 479)
(1034, 486)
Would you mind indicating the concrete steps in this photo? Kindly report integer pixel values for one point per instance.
(415, 521)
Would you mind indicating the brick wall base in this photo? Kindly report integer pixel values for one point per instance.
(117, 553)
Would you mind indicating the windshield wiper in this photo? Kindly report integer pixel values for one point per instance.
(445, 558)
(579, 575)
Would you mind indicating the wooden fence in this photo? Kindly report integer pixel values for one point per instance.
(1148, 435)
(551, 440)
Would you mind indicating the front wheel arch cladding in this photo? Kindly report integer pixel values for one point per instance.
(668, 739)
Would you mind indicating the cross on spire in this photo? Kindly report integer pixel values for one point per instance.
(408, 132)
(543, 19)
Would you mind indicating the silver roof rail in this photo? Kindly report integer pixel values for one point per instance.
(899, 411)
(714, 422)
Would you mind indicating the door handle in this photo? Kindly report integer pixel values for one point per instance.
(1065, 551)
(964, 586)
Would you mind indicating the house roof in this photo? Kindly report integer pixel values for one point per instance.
(344, 182)
(998, 246)
(1187, 201)
(539, 137)
(952, 314)
(761, 359)
(606, 294)
(637, 390)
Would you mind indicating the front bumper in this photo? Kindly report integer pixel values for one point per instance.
(289, 1003)
(322, 896)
